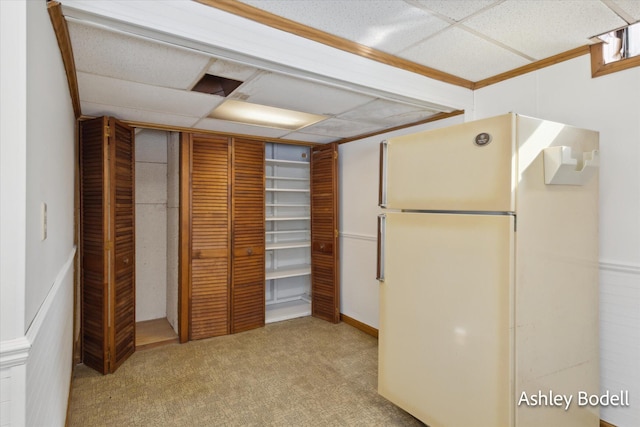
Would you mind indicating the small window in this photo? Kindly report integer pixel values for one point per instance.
(618, 50)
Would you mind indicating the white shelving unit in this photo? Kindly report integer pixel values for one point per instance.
(288, 232)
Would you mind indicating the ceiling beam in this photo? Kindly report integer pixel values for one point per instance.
(287, 25)
(64, 43)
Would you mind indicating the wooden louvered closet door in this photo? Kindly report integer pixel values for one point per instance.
(205, 161)
(248, 230)
(107, 243)
(325, 287)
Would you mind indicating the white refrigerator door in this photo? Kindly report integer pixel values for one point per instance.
(468, 167)
(446, 332)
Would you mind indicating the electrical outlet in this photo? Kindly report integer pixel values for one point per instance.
(43, 216)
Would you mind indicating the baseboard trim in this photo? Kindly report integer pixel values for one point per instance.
(606, 424)
(359, 325)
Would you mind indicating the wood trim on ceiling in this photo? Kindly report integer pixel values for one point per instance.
(434, 118)
(64, 43)
(543, 63)
(284, 24)
(599, 68)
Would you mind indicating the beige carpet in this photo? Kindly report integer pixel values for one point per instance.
(302, 372)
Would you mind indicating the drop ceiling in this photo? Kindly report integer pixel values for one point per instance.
(147, 76)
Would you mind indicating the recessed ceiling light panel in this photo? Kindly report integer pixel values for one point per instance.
(262, 115)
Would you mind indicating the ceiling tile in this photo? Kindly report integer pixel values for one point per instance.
(455, 10)
(631, 7)
(122, 56)
(542, 29)
(231, 70)
(282, 91)
(386, 25)
(106, 90)
(387, 113)
(239, 128)
(340, 128)
(460, 53)
(134, 115)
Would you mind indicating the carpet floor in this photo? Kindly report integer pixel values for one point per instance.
(301, 372)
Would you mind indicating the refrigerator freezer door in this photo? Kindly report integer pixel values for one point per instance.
(446, 336)
(467, 167)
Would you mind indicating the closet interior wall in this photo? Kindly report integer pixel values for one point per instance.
(157, 226)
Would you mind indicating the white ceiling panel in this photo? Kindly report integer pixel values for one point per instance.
(460, 53)
(231, 70)
(386, 25)
(135, 115)
(631, 7)
(277, 90)
(239, 128)
(454, 10)
(386, 112)
(340, 128)
(118, 55)
(541, 28)
(137, 78)
(106, 90)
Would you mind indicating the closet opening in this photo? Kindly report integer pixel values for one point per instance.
(156, 237)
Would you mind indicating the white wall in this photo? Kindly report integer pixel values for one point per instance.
(151, 224)
(157, 201)
(38, 148)
(566, 93)
(173, 212)
(14, 347)
(358, 163)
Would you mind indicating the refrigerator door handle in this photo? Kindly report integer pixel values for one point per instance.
(381, 235)
(382, 188)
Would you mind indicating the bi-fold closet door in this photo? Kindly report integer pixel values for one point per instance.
(107, 243)
(221, 235)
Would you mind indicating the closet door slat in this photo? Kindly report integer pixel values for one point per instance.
(248, 257)
(325, 289)
(123, 306)
(210, 237)
(93, 243)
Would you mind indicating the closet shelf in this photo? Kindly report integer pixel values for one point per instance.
(287, 310)
(274, 301)
(287, 205)
(289, 271)
(289, 218)
(286, 178)
(289, 190)
(288, 245)
(288, 231)
(286, 162)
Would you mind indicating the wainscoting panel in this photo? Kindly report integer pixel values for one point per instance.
(620, 340)
(50, 360)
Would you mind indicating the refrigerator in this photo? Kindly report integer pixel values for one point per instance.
(488, 270)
